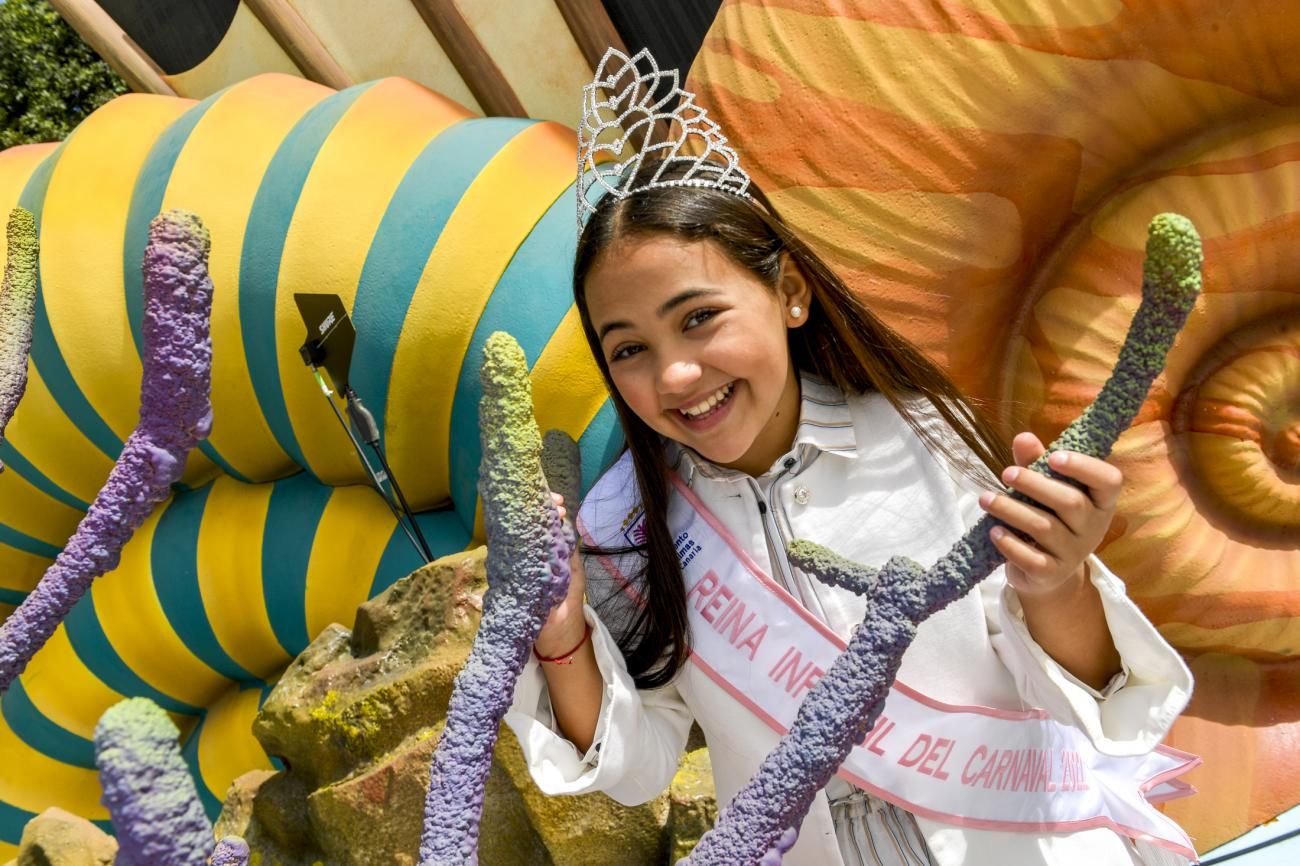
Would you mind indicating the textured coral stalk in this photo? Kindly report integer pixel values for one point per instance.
(562, 465)
(174, 415)
(17, 306)
(846, 702)
(230, 851)
(528, 573)
(148, 789)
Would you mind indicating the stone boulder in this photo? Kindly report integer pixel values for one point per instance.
(693, 806)
(355, 719)
(59, 838)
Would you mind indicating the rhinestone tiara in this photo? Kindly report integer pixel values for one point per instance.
(664, 133)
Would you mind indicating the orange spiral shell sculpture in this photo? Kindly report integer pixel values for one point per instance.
(983, 172)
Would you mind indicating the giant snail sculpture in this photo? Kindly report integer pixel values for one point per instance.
(983, 173)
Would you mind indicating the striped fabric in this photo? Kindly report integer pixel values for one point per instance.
(872, 832)
(824, 421)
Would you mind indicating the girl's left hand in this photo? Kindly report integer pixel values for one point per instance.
(1061, 541)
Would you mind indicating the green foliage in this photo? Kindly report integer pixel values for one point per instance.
(49, 79)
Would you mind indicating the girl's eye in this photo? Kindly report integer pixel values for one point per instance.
(627, 350)
(699, 317)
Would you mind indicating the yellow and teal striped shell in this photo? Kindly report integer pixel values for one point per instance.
(436, 227)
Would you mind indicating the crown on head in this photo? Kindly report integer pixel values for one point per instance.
(640, 116)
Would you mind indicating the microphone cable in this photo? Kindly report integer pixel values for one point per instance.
(421, 549)
(369, 430)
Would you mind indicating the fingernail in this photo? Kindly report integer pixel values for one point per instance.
(1011, 474)
(986, 499)
(997, 532)
(1058, 459)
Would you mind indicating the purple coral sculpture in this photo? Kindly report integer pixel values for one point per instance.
(17, 307)
(148, 789)
(529, 548)
(844, 705)
(231, 851)
(174, 415)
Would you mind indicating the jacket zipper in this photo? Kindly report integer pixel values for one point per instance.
(768, 520)
(769, 510)
(768, 515)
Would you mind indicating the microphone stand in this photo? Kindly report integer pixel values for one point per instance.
(371, 431)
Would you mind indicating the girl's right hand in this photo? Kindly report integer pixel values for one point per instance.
(566, 625)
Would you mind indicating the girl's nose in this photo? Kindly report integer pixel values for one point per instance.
(678, 376)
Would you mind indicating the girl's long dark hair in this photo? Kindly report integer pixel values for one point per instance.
(842, 342)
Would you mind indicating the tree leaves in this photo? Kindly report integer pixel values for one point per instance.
(50, 80)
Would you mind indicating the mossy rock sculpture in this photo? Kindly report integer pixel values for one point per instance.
(355, 720)
(693, 805)
(59, 838)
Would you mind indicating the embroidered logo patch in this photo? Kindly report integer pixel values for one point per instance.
(634, 526)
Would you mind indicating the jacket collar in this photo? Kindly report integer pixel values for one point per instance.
(825, 424)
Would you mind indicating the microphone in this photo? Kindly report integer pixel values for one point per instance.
(361, 418)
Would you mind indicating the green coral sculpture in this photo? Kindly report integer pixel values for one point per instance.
(175, 413)
(529, 549)
(17, 308)
(148, 789)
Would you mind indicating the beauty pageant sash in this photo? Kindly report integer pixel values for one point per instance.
(965, 765)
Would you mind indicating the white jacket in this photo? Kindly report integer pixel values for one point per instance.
(868, 489)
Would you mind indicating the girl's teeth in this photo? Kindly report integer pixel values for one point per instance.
(709, 404)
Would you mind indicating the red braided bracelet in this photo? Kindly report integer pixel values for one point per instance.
(565, 658)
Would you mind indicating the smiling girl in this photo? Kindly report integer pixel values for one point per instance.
(742, 367)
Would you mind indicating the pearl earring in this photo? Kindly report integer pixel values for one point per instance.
(796, 311)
